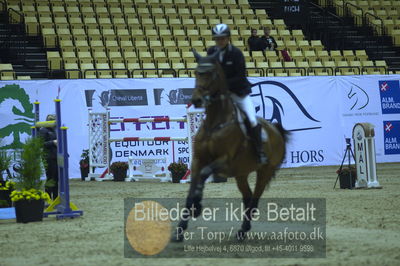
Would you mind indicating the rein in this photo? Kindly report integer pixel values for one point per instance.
(220, 98)
(216, 97)
(208, 99)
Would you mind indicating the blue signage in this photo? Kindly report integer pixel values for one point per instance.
(391, 135)
(390, 96)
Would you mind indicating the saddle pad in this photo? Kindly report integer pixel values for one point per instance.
(241, 116)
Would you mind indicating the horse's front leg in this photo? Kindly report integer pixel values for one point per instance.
(247, 194)
(193, 200)
(263, 178)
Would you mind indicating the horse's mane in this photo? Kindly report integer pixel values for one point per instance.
(223, 82)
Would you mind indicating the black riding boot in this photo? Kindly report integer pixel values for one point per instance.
(258, 145)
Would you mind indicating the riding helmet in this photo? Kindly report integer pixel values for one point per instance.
(221, 30)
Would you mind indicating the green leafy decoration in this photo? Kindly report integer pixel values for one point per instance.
(5, 161)
(15, 92)
(31, 162)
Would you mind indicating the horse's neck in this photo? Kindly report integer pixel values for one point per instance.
(219, 112)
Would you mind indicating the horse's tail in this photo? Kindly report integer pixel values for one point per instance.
(284, 133)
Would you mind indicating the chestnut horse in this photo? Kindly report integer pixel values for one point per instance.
(222, 148)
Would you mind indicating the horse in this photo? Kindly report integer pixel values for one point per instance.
(223, 149)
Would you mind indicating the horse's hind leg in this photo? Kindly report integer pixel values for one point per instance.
(264, 176)
(244, 188)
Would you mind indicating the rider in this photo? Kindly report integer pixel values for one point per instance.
(50, 147)
(234, 66)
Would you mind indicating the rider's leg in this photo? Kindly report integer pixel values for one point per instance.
(247, 106)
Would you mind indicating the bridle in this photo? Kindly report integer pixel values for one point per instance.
(207, 97)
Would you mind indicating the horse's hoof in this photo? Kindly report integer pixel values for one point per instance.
(246, 226)
(241, 235)
(177, 238)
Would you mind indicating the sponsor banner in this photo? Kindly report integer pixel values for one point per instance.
(369, 99)
(391, 132)
(292, 103)
(319, 111)
(172, 97)
(390, 96)
(127, 97)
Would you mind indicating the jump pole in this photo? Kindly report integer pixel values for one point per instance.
(62, 207)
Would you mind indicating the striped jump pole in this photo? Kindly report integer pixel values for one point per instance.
(142, 120)
(62, 207)
(149, 139)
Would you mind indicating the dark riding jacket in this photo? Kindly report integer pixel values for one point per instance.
(49, 135)
(234, 67)
(254, 43)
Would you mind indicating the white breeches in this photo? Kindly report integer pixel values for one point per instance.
(246, 105)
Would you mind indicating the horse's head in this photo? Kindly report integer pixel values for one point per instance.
(209, 76)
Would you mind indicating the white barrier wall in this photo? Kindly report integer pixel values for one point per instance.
(320, 112)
